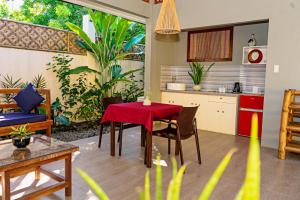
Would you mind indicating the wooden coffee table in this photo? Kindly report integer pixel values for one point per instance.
(42, 150)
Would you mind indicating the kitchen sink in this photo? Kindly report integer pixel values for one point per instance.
(176, 86)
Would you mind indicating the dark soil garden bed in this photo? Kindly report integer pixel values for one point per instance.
(77, 131)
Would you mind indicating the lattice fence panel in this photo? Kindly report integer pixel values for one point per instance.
(34, 37)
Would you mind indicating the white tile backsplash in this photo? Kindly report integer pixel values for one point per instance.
(219, 76)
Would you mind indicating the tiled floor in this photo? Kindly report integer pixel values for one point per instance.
(120, 176)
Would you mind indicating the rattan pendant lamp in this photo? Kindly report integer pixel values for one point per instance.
(167, 22)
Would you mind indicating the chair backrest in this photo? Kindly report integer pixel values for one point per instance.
(111, 100)
(185, 121)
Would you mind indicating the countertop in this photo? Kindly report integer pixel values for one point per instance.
(212, 93)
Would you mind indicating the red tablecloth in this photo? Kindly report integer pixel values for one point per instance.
(136, 113)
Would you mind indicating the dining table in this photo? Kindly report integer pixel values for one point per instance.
(137, 113)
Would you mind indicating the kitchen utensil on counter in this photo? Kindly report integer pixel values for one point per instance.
(237, 88)
(222, 89)
(255, 90)
(176, 86)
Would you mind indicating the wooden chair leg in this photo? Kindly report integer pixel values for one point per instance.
(180, 152)
(49, 131)
(119, 134)
(5, 182)
(68, 175)
(176, 148)
(145, 153)
(143, 138)
(198, 147)
(169, 146)
(120, 139)
(38, 173)
(100, 135)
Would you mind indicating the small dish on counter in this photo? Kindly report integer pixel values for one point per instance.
(176, 86)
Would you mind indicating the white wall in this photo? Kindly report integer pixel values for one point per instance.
(200, 13)
(161, 54)
(283, 44)
(241, 35)
(26, 64)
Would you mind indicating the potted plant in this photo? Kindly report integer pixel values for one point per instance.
(20, 136)
(197, 73)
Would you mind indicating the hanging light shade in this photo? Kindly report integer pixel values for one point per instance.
(167, 22)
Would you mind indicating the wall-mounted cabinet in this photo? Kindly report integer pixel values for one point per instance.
(210, 45)
(215, 113)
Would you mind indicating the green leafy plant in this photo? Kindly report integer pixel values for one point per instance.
(60, 65)
(4, 9)
(21, 132)
(9, 82)
(60, 116)
(53, 13)
(108, 50)
(132, 90)
(76, 102)
(39, 81)
(198, 71)
(250, 189)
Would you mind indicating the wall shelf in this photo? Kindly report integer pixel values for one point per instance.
(247, 50)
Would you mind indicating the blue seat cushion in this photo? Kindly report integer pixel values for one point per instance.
(10, 119)
(28, 98)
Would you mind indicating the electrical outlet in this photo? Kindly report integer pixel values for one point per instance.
(276, 68)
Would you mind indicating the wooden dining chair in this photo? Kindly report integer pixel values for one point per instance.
(184, 128)
(121, 126)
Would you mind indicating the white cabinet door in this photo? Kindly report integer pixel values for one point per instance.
(221, 118)
(191, 100)
(228, 118)
(172, 98)
(215, 113)
(212, 117)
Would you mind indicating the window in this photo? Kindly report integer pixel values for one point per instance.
(210, 45)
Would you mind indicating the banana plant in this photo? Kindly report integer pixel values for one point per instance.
(108, 50)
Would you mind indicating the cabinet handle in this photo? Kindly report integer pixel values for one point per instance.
(218, 111)
(169, 101)
(221, 98)
(172, 101)
(192, 103)
(223, 112)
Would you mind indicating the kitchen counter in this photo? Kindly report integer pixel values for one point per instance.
(211, 93)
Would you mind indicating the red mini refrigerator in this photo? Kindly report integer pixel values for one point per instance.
(250, 104)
